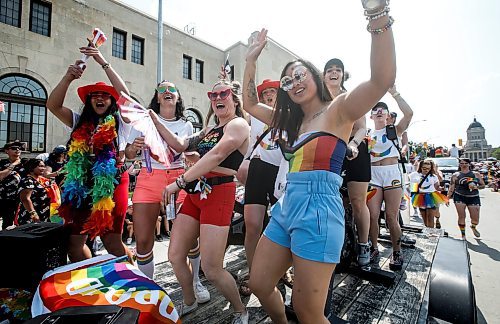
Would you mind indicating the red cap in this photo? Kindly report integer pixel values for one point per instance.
(84, 91)
(266, 84)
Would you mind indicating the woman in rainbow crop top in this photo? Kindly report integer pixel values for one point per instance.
(386, 176)
(307, 225)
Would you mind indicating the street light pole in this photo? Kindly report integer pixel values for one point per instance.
(159, 65)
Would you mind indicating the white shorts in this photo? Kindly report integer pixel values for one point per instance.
(386, 176)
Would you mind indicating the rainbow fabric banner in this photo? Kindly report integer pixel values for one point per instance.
(109, 282)
(141, 120)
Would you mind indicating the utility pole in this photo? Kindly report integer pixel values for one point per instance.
(159, 65)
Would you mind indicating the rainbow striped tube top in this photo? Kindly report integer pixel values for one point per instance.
(315, 151)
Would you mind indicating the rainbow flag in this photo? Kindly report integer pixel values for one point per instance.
(108, 282)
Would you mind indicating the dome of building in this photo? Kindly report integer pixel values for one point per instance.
(475, 124)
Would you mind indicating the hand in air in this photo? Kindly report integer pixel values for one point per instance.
(256, 44)
(93, 52)
(75, 71)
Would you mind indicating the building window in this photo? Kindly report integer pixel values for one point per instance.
(40, 17)
(10, 12)
(199, 71)
(194, 117)
(186, 67)
(119, 44)
(25, 116)
(137, 50)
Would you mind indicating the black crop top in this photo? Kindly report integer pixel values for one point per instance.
(208, 142)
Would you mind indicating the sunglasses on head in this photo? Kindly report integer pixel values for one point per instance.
(213, 95)
(299, 74)
(165, 88)
(103, 95)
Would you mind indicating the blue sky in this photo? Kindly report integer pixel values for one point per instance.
(447, 50)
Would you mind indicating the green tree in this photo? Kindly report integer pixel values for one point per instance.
(496, 153)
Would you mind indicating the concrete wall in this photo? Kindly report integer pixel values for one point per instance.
(47, 58)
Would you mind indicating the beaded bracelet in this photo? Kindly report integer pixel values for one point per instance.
(379, 15)
(105, 66)
(378, 31)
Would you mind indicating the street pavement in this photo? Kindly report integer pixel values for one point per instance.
(484, 253)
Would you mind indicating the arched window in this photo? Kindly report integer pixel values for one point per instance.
(195, 118)
(25, 116)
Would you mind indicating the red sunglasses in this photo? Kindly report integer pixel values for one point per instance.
(213, 95)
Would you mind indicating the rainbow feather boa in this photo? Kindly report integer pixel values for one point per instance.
(428, 199)
(88, 139)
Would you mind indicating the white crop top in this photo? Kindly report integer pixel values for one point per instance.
(380, 147)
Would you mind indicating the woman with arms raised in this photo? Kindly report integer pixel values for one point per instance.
(307, 225)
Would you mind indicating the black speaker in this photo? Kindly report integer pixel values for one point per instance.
(29, 251)
(89, 315)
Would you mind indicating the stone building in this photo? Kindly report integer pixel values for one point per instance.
(39, 39)
(476, 148)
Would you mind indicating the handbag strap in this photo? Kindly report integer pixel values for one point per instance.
(259, 139)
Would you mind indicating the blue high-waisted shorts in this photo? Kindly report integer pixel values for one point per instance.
(309, 218)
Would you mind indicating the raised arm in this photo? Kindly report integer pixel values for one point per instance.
(112, 75)
(404, 107)
(251, 103)
(56, 98)
(179, 144)
(361, 99)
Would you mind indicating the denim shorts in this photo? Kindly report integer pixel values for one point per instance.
(309, 218)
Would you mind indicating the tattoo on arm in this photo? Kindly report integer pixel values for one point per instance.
(252, 92)
(193, 141)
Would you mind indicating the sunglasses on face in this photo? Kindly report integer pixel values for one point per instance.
(165, 88)
(378, 111)
(102, 95)
(299, 74)
(213, 95)
(15, 148)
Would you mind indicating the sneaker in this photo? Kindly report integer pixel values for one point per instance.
(168, 234)
(364, 254)
(396, 262)
(240, 318)
(438, 223)
(402, 205)
(186, 309)
(129, 241)
(201, 293)
(374, 256)
(475, 231)
(159, 238)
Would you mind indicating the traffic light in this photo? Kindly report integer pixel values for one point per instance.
(459, 142)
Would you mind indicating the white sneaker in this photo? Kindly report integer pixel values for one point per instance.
(129, 241)
(201, 293)
(240, 318)
(186, 309)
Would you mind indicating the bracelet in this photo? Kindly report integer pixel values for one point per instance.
(371, 5)
(377, 15)
(396, 94)
(181, 182)
(33, 212)
(105, 66)
(378, 31)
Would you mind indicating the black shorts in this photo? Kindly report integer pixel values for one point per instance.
(259, 188)
(468, 201)
(358, 169)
